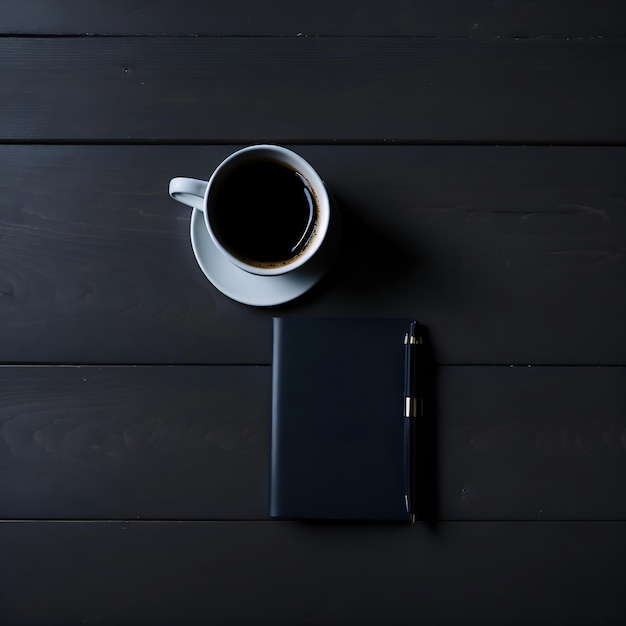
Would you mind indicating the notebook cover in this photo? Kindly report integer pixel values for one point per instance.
(337, 425)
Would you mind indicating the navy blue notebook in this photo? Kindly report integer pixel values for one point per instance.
(337, 424)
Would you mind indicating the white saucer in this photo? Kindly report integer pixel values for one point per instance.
(251, 288)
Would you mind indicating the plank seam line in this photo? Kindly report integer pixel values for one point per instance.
(78, 364)
(486, 38)
(425, 525)
(477, 143)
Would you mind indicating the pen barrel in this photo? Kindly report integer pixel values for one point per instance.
(412, 409)
(410, 371)
(408, 466)
(410, 463)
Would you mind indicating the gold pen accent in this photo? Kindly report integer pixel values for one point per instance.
(412, 340)
(410, 407)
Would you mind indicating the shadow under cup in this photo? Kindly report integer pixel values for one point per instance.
(267, 209)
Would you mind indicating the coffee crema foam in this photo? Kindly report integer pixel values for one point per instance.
(278, 264)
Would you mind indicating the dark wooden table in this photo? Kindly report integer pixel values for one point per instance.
(478, 154)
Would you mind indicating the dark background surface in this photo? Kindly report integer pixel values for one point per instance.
(478, 154)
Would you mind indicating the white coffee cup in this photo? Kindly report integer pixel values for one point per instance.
(203, 195)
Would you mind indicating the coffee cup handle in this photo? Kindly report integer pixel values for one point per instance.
(189, 191)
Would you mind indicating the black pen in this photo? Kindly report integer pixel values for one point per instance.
(413, 408)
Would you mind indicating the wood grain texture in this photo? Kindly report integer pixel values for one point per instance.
(313, 89)
(523, 443)
(544, 443)
(159, 442)
(509, 255)
(449, 18)
(96, 264)
(288, 573)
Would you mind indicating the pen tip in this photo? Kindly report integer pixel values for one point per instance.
(412, 518)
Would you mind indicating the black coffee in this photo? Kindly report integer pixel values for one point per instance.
(264, 212)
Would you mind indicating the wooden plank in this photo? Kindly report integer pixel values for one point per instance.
(313, 89)
(288, 573)
(509, 255)
(448, 18)
(532, 443)
(193, 443)
(156, 442)
(96, 265)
